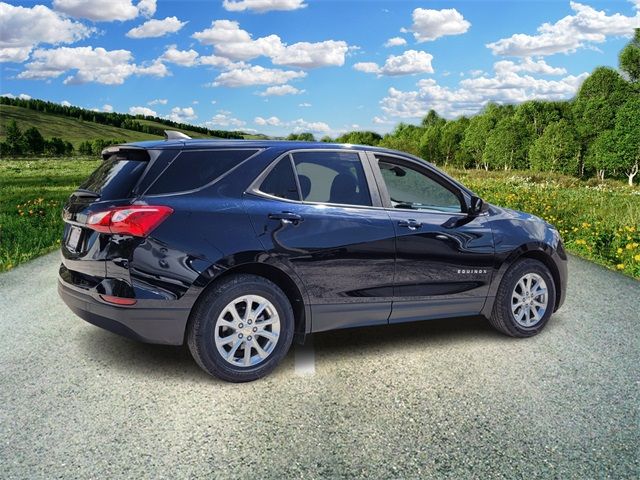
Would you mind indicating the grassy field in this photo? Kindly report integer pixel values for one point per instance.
(76, 131)
(32, 193)
(598, 221)
(70, 129)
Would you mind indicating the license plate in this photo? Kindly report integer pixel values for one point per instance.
(74, 238)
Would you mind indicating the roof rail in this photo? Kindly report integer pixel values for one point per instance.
(175, 135)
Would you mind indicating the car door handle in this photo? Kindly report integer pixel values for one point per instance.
(410, 223)
(286, 217)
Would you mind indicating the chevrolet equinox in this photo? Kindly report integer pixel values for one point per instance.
(237, 247)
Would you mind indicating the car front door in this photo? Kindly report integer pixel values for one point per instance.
(313, 210)
(444, 256)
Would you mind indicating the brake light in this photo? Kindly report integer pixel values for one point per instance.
(134, 220)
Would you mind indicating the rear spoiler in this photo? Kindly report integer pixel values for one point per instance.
(128, 152)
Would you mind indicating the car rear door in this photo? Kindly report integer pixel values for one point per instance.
(444, 257)
(313, 210)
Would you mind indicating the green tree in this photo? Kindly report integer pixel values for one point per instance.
(557, 150)
(601, 156)
(508, 145)
(432, 118)
(33, 141)
(326, 139)
(360, 138)
(55, 146)
(451, 139)
(430, 142)
(302, 137)
(405, 137)
(630, 58)
(627, 138)
(14, 139)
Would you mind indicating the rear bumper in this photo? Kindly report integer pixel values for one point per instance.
(150, 321)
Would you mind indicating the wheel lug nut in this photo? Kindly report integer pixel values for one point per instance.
(240, 326)
(255, 329)
(239, 335)
(249, 337)
(249, 322)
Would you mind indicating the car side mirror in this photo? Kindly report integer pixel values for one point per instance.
(476, 205)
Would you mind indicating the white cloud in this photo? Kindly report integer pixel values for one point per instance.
(395, 42)
(382, 121)
(272, 121)
(158, 101)
(22, 96)
(154, 69)
(586, 27)
(432, 24)
(256, 75)
(234, 43)
(107, 108)
(474, 93)
(22, 29)
(182, 114)
(311, 55)
(301, 125)
(224, 119)
(408, 63)
(280, 90)
(186, 58)
(65, 103)
(142, 111)
(90, 65)
(105, 10)
(156, 28)
(262, 6)
(304, 105)
(528, 65)
(367, 67)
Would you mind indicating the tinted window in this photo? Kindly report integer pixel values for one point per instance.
(332, 177)
(194, 169)
(281, 181)
(115, 177)
(411, 189)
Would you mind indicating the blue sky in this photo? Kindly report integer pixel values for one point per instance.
(278, 66)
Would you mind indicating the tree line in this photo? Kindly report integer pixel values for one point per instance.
(31, 142)
(120, 120)
(595, 133)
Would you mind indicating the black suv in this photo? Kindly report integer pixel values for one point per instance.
(237, 247)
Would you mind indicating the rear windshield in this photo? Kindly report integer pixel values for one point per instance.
(193, 169)
(115, 177)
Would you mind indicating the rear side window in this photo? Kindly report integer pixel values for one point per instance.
(197, 168)
(332, 177)
(281, 181)
(115, 177)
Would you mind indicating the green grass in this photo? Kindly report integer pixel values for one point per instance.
(70, 129)
(600, 222)
(32, 193)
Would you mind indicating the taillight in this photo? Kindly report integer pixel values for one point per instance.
(136, 220)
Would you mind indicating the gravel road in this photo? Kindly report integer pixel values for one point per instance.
(440, 399)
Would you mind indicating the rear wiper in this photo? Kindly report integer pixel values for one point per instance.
(81, 192)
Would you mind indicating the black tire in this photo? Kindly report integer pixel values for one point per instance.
(204, 315)
(502, 318)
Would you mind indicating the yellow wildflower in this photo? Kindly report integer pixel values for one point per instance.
(619, 250)
(620, 266)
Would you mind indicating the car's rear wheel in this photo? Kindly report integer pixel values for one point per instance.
(525, 299)
(241, 328)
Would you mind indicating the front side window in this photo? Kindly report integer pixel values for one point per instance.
(332, 177)
(411, 189)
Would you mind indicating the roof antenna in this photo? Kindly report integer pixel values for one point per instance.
(175, 135)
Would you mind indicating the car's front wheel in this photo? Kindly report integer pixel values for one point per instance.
(525, 299)
(241, 328)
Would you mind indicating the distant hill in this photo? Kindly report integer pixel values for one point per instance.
(75, 124)
(66, 128)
